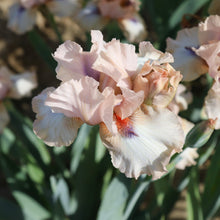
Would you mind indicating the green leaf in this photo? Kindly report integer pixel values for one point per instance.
(41, 47)
(7, 139)
(30, 207)
(78, 146)
(36, 174)
(9, 210)
(114, 200)
(62, 193)
(194, 209)
(99, 149)
(187, 7)
(210, 197)
(143, 186)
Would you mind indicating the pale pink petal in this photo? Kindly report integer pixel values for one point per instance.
(73, 62)
(55, 129)
(97, 40)
(212, 103)
(186, 125)
(89, 18)
(211, 54)
(4, 117)
(187, 158)
(214, 7)
(144, 143)
(20, 19)
(131, 102)
(186, 61)
(63, 7)
(118, 9)
(181, 99)
(209, 30)
(134, 28)
(22, 85)
(147, 52)
(159, 85)
(82, 99)
(118, 61)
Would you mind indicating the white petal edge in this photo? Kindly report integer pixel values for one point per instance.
(55, 129)
(150, 146)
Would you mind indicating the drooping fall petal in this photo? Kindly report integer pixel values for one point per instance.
(186, 60)
(55, 129)
(82, 99)
(142, 145)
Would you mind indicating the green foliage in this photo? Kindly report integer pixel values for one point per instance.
(79, 182)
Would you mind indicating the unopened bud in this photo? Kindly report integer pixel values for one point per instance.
(200, 133)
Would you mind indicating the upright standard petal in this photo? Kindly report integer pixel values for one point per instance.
(147, 52)
(82, 99)
(55, 129)
(209, 30)
(4, 117)
(211, 54)
(212, 103)
(142, 145)
(74, 63)
(22, 85)
(21, 20)
(186, 60)
(159, 83)
(118, 61)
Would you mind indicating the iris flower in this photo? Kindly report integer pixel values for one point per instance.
(15, 87)
(126, 93)
(98, 13)
(23, 13)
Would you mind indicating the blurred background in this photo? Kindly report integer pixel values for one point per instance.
(79, 182)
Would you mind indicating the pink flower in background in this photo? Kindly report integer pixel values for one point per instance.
(15, 87)
(186, 60)
(101, 86)
(197, 50)
(23, 14)
(118, 9)
(96, 15)
(212, 103)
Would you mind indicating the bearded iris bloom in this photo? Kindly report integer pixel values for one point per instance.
(23, 13)
(14, 86)
(126, 93)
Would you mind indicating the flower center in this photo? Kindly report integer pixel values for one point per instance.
(125, 127)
